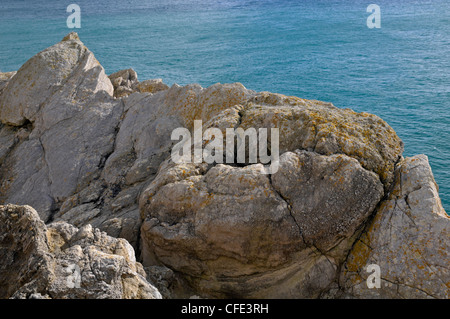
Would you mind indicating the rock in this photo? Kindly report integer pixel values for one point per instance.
(242, 227)
(60, 261)
(48, 73)
(63, 101)
(330, 196)
(327, 130)
(308, 213)
(84, 149)
(151, 86)
(143, 142)
(71, 36)
(5, 77)
(162, 278)
(126, 82)
(7, 141)
(123, 81)
(25, 178)
(407, 239)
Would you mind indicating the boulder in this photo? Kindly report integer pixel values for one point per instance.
(236, 232)
(215, 218)
(407, 239)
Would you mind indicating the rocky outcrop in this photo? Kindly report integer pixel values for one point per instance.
(60, 261)
(216, 218)
(85, 149)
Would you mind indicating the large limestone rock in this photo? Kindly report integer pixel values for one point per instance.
(61, 261)
(60, 103)
(237, 232)
(408, 239)
(84, 149)
(215, 220)
(49, 72)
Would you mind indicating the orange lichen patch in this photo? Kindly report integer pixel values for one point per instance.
(359, 256)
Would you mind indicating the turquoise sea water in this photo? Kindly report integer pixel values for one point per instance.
(312, 49)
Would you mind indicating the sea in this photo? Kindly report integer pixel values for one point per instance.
(396, 65)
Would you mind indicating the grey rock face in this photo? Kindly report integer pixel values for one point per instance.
(48, 73)
(61, 261)
(62, 101)
(8, 139)
(407, 239)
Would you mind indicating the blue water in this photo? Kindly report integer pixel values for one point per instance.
(312, 49)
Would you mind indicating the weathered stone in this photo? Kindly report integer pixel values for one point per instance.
(330, 196)
(407, 239)
(87, 149)
(241, 227)
(64, 92)
(25, 178)
(61, 261)
(162, 278)
(327, 130)
(5, 77)
(151, 86)
(47, 73)
(7, 141)
(123, 82)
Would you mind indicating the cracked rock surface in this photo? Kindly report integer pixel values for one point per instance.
(91, 153)
(407, 239)
(237, 232)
